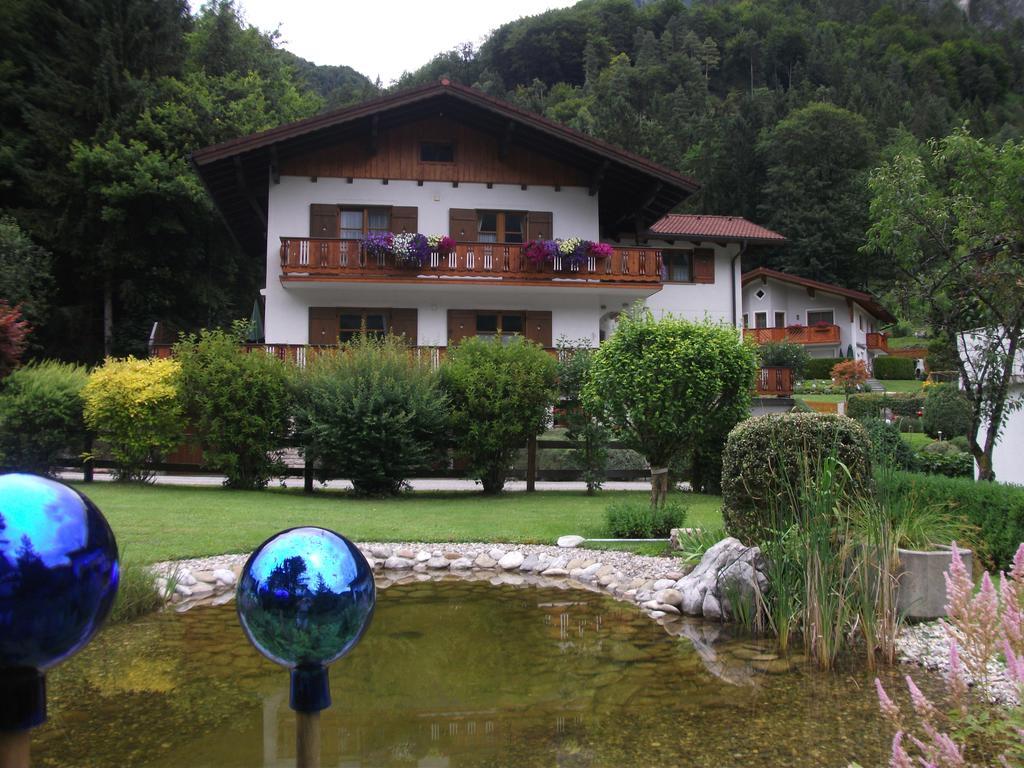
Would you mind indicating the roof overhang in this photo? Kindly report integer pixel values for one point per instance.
(238, 173)
(865, 300)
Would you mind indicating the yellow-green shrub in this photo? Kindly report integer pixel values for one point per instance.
(133, 407)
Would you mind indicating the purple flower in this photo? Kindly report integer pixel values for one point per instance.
(379, 243)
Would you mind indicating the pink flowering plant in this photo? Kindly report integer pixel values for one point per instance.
(539, 252)
(980, 625)
(601, 250)
(443, 244)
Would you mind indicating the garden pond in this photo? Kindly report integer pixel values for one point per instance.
(465, 673)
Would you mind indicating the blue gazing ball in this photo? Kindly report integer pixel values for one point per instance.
(305, 597)
(58, 571)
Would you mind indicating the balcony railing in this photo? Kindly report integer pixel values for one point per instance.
(774, 381)
(305, 257)
(795, 334)
(878, 341)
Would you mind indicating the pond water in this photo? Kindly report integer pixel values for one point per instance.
(463, 674)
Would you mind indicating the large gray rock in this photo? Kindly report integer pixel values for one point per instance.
(395, 563)
(728, 569)
(531, 563)
(511, 560)
(570, 542)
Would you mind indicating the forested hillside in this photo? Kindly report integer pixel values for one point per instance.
(105, 227)
(779, 107)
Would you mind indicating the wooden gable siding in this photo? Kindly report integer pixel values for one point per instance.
(477, 158)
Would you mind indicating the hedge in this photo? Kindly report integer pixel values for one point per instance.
(996, 509)
(887, 367)
(872, 405)
(946, 410)
(821, 367)
(765, 454)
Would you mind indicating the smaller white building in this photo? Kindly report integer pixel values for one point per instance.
(828, 320)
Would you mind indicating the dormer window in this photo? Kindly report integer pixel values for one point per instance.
(437, 152)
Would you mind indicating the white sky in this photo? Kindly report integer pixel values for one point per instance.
(384, 37)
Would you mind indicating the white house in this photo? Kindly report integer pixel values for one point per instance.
(830, 321)
(444, 159)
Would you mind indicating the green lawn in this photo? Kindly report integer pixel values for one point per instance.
(906, 342)
(902, 385)
(916, 439)
(821, 398)
(165, 523)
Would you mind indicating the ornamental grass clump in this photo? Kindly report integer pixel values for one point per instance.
(133, 408)
(372, 412)
(981, 625)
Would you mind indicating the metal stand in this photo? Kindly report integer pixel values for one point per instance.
(307, 740)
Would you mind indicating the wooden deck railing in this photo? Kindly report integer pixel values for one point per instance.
(774, 381)
(307, 257)
(795, 334)
(878, 341)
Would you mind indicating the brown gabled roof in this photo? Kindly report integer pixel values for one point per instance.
(237, 172)
(866, 300)
(717, 228)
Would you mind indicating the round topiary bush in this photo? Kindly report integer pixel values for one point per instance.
(766, 457)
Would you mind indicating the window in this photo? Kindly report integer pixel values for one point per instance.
(860, 322)
(746, 323)
(820, 317)
(760, 319)
(358, 222)
(352, 324)
(678, 266)
(780, 319)
(437, 152)
(498, 325)
(500, 226)
(760, 294)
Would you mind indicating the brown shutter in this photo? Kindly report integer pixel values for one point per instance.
(462, 225)
(537, 327)
(403, 323)
(403, 218)
(539, 225)
(461, 323)
(704, 265)
(323, 325)
(323, 221)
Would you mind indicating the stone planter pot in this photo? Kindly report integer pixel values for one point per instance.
(921, 593)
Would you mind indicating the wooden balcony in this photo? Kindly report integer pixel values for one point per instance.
(795, 334)
(305, 258)
(878, 342)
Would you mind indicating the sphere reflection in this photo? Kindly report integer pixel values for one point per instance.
(306, 596)
(58, 571)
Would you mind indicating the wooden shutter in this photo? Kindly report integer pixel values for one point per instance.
(462, 225)
(323, 325)
(403, 323)
(704, 265)
(539, 225)
(537, 327)
(461, 323)
(403, 218)
(323, 221)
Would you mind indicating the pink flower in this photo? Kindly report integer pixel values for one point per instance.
(889, 708)
(955, 677)
(924, 708)
(900, 758)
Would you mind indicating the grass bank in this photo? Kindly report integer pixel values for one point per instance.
(167, 523)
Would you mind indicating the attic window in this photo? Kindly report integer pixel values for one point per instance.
(759, 294)
(437, 152)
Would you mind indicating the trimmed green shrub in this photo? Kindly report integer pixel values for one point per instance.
(500, 396)
(888, 448)
(946, 410)
(874, 405)
(997, 510)
(962, 443)
(888, 368)
(784, 354)
(669, 386)
(639, 520)
(237, 403)
(133, 407)
(370, 412)
(944, 458)
(821, 367)
(766, 455)
(588, 434)
(41, 415)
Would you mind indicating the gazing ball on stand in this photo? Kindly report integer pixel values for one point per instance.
(305, 598)
(58, 580)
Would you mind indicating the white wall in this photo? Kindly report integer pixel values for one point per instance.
(697, 301)
(574, 213)
(1008, 455)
